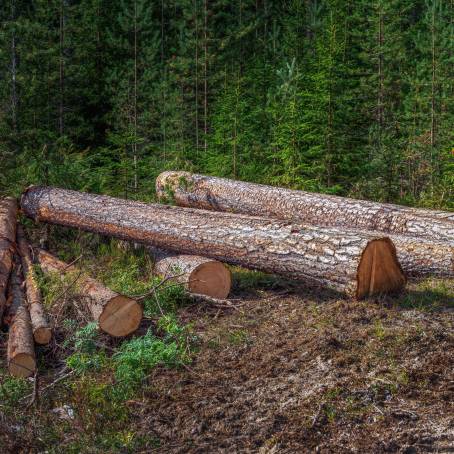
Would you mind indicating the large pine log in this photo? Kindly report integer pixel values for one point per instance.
(42, 332)
(21, 349)
(433, 255)
(358, 264)
(199, 274)
(116, 314)
(8, 213)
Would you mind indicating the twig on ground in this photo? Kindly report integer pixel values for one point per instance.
(34, 395)
(50, 385)
(154, 288)
(73, 262)
(71, 284)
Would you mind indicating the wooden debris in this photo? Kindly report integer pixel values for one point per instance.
(116, 314)
(42, 332)
(21, 349)
(8, 214)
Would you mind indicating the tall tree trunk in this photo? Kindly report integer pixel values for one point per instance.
(358, 264)
(13, 68)
(164, 92)
(196, 19)
(433, 255)
(433, 164)
(61, 69)
(42, 332)
(116, 314)
(205, 78)
(21, 349)
(8, 214)
(134, 152)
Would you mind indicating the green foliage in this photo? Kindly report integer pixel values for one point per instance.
(12, 389)
(137, 357)
(347, 98)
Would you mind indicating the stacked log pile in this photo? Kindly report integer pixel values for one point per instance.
(358, 263)
(356, 247)
(424, 239)
(21, 308)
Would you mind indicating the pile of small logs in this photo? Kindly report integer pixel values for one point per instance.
(357, 247)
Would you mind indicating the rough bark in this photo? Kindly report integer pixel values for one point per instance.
(199, 274)
(358, 264)
(116, 314)
(21, 349)
(433, 256)
(42, 332)
(8, 214)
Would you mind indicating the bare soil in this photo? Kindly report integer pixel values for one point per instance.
(309, 372)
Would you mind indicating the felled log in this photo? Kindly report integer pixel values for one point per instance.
(434, 255)
(21, 349)
(8, 213)
(42, 332)
(199, 274)
(358, 264)
(116, 314)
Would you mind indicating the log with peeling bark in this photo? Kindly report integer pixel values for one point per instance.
(199, 274)
(359, 264)
(21, 349)
(116, 314)
(433, 255)
(8, 214)
(42, 332)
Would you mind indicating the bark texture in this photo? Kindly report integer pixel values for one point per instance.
(116, 314)
(42, 332)
(199, 274)
(330, 257)
(21, 349)
(8, 214)
(433, 256)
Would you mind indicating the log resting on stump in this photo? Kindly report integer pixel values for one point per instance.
(116, 314)
(42, 332)
(21, 349)
(359, 264)
(8, 214)
(199, 274)
(433, 256)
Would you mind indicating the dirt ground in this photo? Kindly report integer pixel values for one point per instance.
(308, 372)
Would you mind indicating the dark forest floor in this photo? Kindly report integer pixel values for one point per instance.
(286, 369)
(311, 373)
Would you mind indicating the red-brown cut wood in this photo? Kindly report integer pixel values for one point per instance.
(21, 349)
(42, 332)
(8, 214)
(199, 274)
(424, 239)
(116, 314)
(324, 256)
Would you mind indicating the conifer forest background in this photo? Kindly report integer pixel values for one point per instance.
(340, 96)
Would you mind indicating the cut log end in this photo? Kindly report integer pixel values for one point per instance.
(42, 335)
(379, 271)
(22, 365)
(211, 278)
(121, 316)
